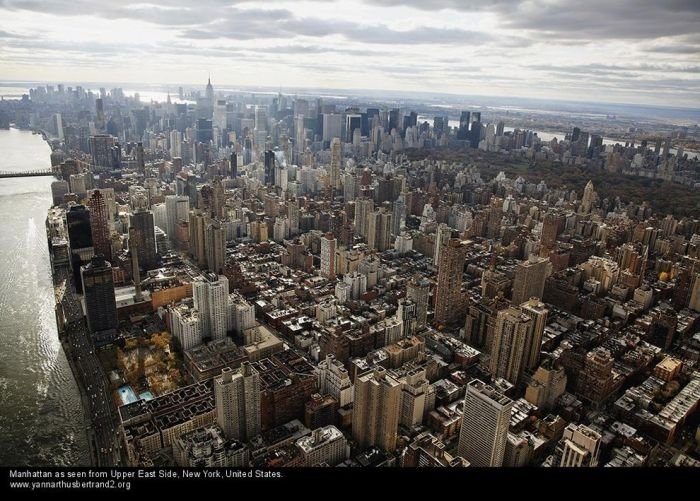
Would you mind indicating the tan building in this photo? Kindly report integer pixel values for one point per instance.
(547, 384)
(375, 416)
(450, 302)
(511, 338)
(530, 276)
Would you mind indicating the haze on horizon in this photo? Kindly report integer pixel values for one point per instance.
(623, 51)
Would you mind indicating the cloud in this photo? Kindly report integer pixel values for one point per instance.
(587, 20)
(249, 24)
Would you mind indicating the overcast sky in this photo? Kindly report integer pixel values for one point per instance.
(638, 51)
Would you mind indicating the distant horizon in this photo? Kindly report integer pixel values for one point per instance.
(353, 92)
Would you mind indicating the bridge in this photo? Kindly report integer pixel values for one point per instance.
(30, 173)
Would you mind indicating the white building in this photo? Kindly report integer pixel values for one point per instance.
(334, 380)
(325, 445)
(186, 326)
(237, 397)
(328, 244)
(241, 314)
(482, 439)
(211, 300)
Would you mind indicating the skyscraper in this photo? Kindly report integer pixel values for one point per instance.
(484, 432)
(79, 227)
(237, 397)
(215, 246)
(375, 414)
(211, 300)
(177, 209)
(588, 198)
(512, 335)
(269, 168)
(328, 243)
(100, 302)
(364, 210)
(442, 236)
(537, 311)
(140, 159)
(99, 225)
(382, 230)
(336, 164)
(449, 301)
(144, 238)
(530, 276)
(418, 290)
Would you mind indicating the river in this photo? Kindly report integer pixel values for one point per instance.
(41, 416)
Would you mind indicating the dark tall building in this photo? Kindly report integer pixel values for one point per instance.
(269, 168)
(463, 132)
(140, 159)
(102, 149)
(80, 240)
(79, 230)
(234, 165)
(449, 300)
(575, 134)
(99, 114)
(100, 302)
(99, 224)
(394, 119)
(144, 239)
(205, 130)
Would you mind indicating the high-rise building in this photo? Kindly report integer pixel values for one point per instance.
(104, 156)
(418, 290)
(237, 397)
(449, 299)
(328, 244)
(79, 227)
(417, 398)
(177, 209)
(484, 432)
(144, 238)
(511, 336)
(364, 210)
(334, 380)
(537, 311)
(215, 246)
(100, 302)
(140, 159)
(530, 276)
(186, 326)
(336, 164)
(443, 235)
(375, 415)
(58, 190)
(99, 225)
(382, 230)
(588, 199)
(211, 301)
(580, 446)
(99, 114)
(596, 382)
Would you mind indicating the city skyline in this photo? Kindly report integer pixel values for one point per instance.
(623, 52)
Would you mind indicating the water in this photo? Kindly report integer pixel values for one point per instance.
(41, 416)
